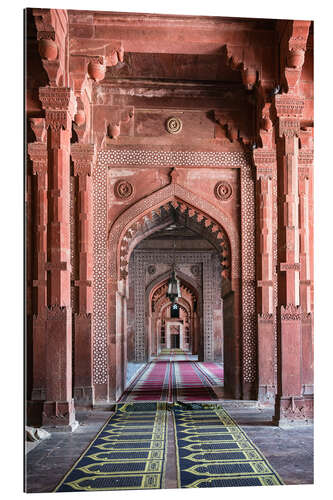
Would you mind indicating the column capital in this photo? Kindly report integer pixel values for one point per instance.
(38, 155)
(83, 156)
(289, 127)
(264, 161)
(289, 105)
(59, 104)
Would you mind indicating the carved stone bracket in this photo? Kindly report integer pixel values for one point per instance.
(90, 58)
(244, 62)
(119, 116)
(229, 128)
(51, 27)
(292, 50)
(39, 129)
(61, 99)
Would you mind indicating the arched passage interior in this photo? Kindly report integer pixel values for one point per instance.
(170, 236)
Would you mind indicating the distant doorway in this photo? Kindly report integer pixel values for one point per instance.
(175, 343)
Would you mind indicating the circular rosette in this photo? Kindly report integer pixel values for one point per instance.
(223, 191)
(174, 125)
(123, 190)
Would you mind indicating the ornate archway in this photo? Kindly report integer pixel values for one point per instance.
(141, 220)
(122, 240)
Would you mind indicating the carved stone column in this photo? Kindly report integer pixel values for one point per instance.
(265, 162)
(290, 405)
(306, 221)
(38, 154)
(58, 409)
(83, 156)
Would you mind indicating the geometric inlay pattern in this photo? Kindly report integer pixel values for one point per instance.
(100, 363)
(129, 156)
(249, 318)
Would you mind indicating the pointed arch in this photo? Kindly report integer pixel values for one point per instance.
(126, 225)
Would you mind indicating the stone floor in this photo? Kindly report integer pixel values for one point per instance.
(290, 451)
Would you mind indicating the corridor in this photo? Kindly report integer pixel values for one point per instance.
(176, 375)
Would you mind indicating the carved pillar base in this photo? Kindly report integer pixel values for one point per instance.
(266, 341)
(307, 354)
(291, 410)
(59, 416)
(291, 354)
(39, 354)
(291, 406)
(58, 353)
(58, 412)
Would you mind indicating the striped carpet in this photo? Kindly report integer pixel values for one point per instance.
(176, 381)
(213, 451)
(129, 452)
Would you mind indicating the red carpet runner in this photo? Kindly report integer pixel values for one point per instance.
(176, 380)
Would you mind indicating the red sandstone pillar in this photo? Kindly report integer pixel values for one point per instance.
(38, 155)
(265, 161)
(305, 195)
(83, 156)
(58, 409)
(290, 405)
